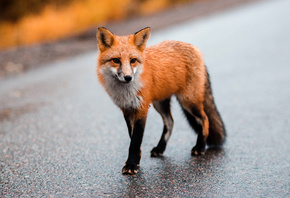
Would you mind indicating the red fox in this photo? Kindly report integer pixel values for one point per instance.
(135, 76)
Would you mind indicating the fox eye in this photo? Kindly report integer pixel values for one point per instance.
(133, 60)
(116, 60)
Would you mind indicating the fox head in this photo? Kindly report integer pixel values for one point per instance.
(121, 57)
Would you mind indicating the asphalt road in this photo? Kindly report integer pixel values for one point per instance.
(61, 136)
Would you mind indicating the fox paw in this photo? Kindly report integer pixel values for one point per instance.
(195, 151)
(156, 152)
(130, 169)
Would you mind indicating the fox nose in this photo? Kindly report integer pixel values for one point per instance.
(128, 78)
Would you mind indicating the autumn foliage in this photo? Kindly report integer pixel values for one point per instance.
(32, 21)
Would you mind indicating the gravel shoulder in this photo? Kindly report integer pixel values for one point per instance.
(15, 61)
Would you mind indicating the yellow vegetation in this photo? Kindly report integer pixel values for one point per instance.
(152, 6)
(54, 23)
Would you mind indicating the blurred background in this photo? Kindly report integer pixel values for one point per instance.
(32, 21)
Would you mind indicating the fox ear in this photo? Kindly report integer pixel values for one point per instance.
(141, 37)
(105, 38)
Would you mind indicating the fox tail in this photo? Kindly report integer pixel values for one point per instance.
(217, 132)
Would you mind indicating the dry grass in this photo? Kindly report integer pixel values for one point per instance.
(53, 23)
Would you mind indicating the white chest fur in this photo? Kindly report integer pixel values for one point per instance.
(124, 95)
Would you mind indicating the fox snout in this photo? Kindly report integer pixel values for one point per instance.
(125, 73)
(125, 78)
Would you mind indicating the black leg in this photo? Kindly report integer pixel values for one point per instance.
(198, 122)
(132, 164)
(161, 146)
(199, 148)
(129, 122)
(163, 108)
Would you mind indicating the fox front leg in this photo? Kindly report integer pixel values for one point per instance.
(136, 130)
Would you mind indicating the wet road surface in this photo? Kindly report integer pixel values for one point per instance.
(61, 135)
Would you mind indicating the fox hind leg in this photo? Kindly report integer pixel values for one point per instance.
(163, 108)
(199, 122)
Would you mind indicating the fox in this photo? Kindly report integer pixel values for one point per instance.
(136, 77)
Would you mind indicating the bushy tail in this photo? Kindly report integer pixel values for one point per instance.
(217, 132)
